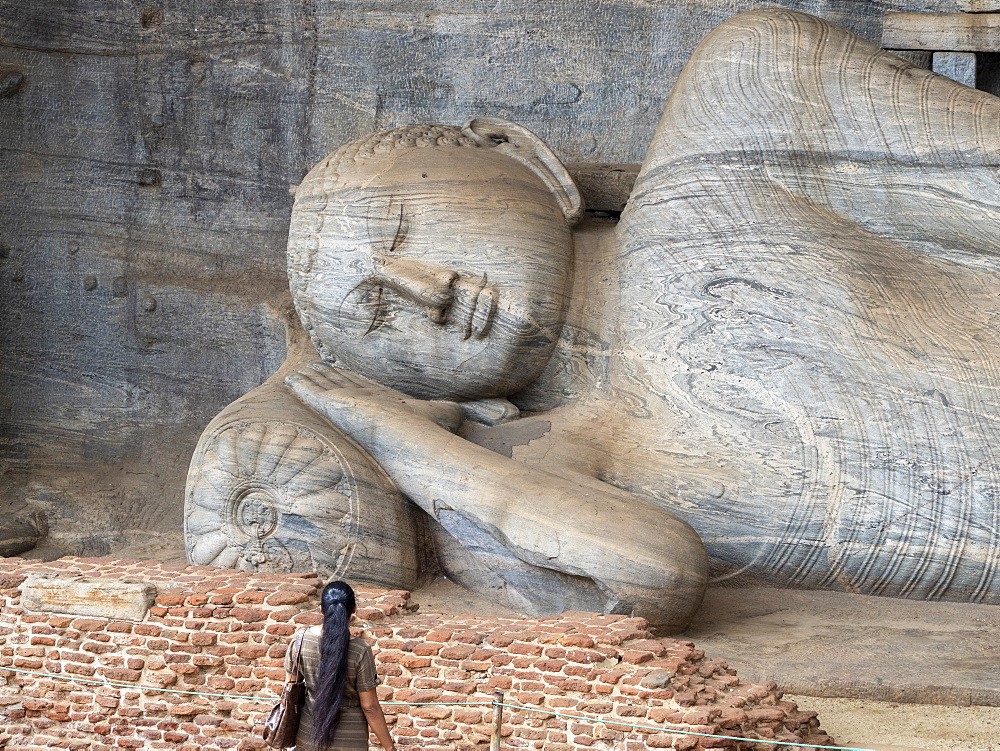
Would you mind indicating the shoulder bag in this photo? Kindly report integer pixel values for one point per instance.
(282, 724)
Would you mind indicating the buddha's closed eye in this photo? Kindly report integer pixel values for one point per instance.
(426, 285)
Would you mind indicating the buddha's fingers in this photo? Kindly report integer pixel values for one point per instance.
(328, 375)
(318, 392)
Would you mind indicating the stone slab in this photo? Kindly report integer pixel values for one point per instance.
(835, 644)
(81, 595)
(956, 32)
(605, 187)
(958, 66)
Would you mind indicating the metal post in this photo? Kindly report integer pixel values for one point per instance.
(497, 720)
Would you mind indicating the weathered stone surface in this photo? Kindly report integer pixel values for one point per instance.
(605, 187)
(147, 156)
(920, 58)
(20, 532)
(81, 595)
(978, 6)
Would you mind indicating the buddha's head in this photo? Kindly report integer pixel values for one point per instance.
(436, 259)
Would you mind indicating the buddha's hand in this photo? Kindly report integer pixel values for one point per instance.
(360, 407)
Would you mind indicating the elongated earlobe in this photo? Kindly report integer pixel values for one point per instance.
(521, 144)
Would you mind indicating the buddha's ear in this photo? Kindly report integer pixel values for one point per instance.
(521, 144)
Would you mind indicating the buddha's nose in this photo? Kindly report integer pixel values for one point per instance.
(427, 285)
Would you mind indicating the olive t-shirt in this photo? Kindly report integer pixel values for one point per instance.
(361, 674)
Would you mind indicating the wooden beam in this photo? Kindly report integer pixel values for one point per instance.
(953, 32)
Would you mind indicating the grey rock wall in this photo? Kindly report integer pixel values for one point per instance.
(146, 157)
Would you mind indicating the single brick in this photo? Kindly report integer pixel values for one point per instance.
(432, 713)
(427, 649)
(636, 656)
(121, 675)
(525, 648)
(577, 640)
(413, 661)
(89, 624)
(170, 599)
(766, 714)
(456, 652)
(251, 651)
(250, 597)
(286, 598)
(585, 656)
(252, 615)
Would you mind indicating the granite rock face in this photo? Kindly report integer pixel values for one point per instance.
(148, 150)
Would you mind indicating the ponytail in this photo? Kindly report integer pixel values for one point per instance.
(337, 603)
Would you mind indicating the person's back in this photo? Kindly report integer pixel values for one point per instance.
(339, 675)
(352, 729)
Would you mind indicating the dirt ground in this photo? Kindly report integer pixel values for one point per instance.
(888, 726)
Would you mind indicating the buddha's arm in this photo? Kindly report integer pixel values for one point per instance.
(649, 561)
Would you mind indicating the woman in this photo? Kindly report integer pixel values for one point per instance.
(339, 673)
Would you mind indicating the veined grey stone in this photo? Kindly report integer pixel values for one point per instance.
(787, 348)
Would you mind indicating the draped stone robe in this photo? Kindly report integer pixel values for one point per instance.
(809, 266)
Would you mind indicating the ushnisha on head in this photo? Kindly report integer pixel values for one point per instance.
(436, 259)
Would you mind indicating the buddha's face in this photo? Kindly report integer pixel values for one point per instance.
(441, 271)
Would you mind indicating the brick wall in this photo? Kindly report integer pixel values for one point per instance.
(225, 632)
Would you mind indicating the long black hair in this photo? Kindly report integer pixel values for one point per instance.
(337, 604)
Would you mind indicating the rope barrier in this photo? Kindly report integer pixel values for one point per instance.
(681, 732)
(497, 704)
(436, 703)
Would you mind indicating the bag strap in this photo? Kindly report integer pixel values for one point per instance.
(298, 653)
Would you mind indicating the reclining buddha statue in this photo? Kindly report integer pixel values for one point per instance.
(782, 365)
